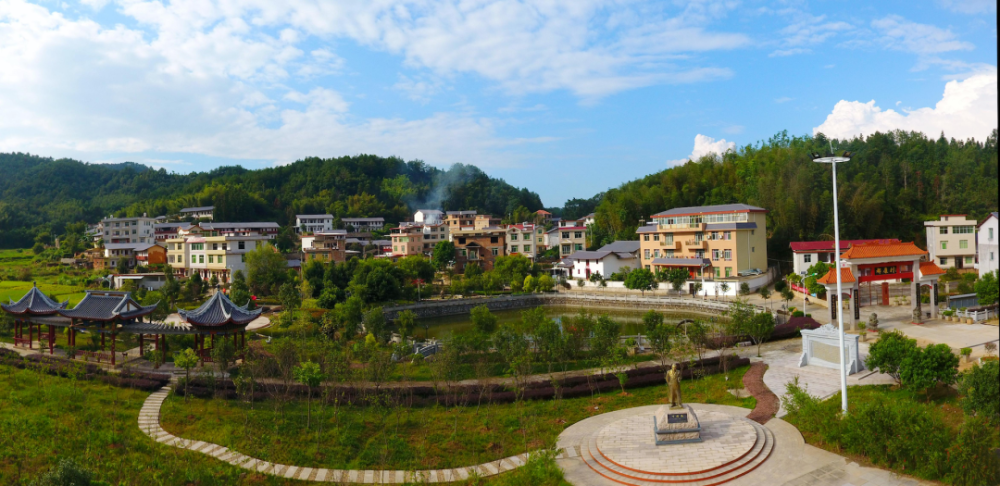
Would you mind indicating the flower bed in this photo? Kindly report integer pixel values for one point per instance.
(86, 371)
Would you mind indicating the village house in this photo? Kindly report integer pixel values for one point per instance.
(313, 223)
(326, 246)
(460, 219)
(480, 246)
(165, 231)
(137, 229)
(268, 230)
(364, 224)
(607, 260)
(133, 254)
(204, 212)
(571, 239)
(525, 239)
(951, 241)
(805, 254)
(211, 253)
(428, 216)
(987, 246)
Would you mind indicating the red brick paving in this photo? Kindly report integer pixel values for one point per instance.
(767, 401)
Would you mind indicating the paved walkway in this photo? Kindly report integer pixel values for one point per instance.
(149, 423)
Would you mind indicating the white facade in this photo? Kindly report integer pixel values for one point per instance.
(313, 223)
(584, 267)
(364, 224)
(551, 239)
(525, 239)
(128, 230)
(951, 241)
(988, 245)
(428, 216)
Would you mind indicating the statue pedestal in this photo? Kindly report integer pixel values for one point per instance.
(676, 426)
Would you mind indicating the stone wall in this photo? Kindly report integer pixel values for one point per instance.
(454, 307)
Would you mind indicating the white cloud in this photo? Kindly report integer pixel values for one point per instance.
(968, 109)
(783, 99)
(705, 145)
(804, 31)
(897, 33)
(970, 6)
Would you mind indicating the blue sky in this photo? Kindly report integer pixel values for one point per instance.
(565, 97)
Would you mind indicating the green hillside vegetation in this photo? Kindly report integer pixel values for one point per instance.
(41, 195)
(892, 185)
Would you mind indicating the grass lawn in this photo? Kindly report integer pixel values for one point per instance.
(378, 437)
(44, 419)
(15, 290)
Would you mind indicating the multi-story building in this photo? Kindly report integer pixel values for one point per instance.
(203, 212)
(131, 254)
(727, 241)
(542, 216)
(805, 254)
(428, 216)
(460, 219)
(525, 239)
(486, 221)
(313, 223)
(480, 246)
(128, 230)
(551, 238)
(210, 254)
(951, 241)
(167, 231)
(987, 237)
(364, 224)
(417, 239)
(326, 246)
(571, 240)
(608, 260)
(267, 230)
(589, 219)
(571, 223)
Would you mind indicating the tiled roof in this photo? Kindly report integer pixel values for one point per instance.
(622, 247)
(846, 276)
(730, 226)
(107, 306)
(992, 215)
(219, 311)
(34, 303)
(813, 246)
(649, 228)
(882, 250)
(128, 246)
(723, 208)
(590, 255)
(198, 209)
(352, 220)
(166, 226)
(929, 269)
(314, 216)
(218, 226)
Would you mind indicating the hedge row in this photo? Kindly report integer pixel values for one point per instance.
(417, 396)
(84, 371)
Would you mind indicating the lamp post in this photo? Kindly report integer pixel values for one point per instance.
(834, 160)
(806, 293)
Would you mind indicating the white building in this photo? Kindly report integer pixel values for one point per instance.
(988, 245)
(269, 230)
(128, 230)
(428, 216)
(203, 212)
(608, 260)
(148, 281)
(313, 223)
(364, 224)
(951, 241)
(525, 239)
(551, 238)
(805, 254)
(197, 250)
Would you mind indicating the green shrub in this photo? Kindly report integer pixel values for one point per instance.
(67, 473)
(888, 353)
(972, 460)
(980, 389)
(900, 435)
(923, 369)
(798, 314)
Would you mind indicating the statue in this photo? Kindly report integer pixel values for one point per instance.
(674, 382)
(916, 316)
(873, 322)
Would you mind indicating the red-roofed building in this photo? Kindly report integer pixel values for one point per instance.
(809, 253)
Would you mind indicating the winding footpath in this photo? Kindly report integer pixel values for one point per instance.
(149, 423)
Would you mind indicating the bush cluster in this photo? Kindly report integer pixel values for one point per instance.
(84, 371)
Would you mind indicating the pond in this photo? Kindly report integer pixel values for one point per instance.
(631, 321)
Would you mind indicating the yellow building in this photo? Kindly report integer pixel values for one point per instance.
(726, 242)
(196, 250)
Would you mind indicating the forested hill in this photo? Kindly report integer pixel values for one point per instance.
(43, 195)
(892, 185)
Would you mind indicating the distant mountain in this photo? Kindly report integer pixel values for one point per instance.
(39, 194)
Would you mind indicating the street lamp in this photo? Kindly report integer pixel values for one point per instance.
(834, 160)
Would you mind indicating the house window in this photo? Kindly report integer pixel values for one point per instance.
(578, 247)
(944, 230)
(646, 237)
(241, 245)
(495, 240)
(728, 255)
(718, 272)
(496, 251)
(565, 234)
(513, 249)
(670, 253)
(211, 259)
(729, 272)
(215, 246)
(656, 253)
(944, 261)
(194, 258)
(668, 238)
(513, 237)
(963, 244)
(715, 255)
(201, 258)
(699, 254)
(656, 237)
(944, 245)
(729, 235)
(808, 258)
(991, 256)
(970, 260)
(578, 234)
(646, 254)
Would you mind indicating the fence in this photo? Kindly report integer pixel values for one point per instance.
(977, 316)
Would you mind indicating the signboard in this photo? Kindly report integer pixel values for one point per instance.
(677, 418)
(886, 270)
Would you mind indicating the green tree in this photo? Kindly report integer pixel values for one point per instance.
(310, 375)
(545, 283)
(760, 328)
(529, 284)
(444, 254)
(888, 353)
(375, 324)
(650, 320)
(186, 359)
(548, 339)
(484, 321)
(223, 353)
(290, 298)
(642, 280)
(267, 270)
(677, 278)
(415, 267)
(659, 340)
(765, 293)
(987, 289)
(607, 334)
(512, 346)
(313, 272)
(67, 473)
(239, 291)
(330, 297)
(980, 390)
(511, 266)
(924, 369)
(473, 270)
(406, 322)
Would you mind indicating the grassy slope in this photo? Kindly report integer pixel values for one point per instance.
(423, 438)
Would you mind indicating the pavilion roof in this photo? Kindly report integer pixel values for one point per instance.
(882, 250)
(846, 276)
(108, 306)
(34, 303)
(929, 269)
(219, 311)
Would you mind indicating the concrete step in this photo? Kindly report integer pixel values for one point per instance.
(758, 454)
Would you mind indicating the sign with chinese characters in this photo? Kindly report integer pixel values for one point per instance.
(677, 418)
(887, 270)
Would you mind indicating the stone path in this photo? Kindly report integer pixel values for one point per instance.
(149, 423)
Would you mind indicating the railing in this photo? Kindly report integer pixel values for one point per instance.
(97, 355)
(977, 316)
(22, 342)
(695, 243)
(676, 244)
(698, 226)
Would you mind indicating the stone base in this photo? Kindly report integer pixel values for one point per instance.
(676, 426)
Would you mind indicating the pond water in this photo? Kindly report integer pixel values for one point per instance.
(631, 321)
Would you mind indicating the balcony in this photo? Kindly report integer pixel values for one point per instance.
(674, 245)
(696, 244)
(685, 226)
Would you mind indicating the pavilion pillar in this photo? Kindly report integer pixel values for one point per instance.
(934, 300)
(52, 339)
(201, 349)
(142, 345)
(31, 335)
(213, 340)
(102, 336)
